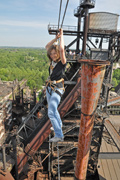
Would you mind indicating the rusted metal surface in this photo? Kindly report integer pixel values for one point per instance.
(41, 176)
(32, 147)
(34, 168)
(91, 82)
(5, 175)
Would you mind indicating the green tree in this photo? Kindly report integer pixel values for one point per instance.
(116, 77)
(29, 63)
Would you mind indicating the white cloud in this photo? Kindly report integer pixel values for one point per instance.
(23, 24)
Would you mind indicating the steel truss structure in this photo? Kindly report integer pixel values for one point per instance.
(34, 131)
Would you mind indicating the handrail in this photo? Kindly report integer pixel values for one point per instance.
(65, 27)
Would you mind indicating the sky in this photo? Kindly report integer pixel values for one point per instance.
(24, 23)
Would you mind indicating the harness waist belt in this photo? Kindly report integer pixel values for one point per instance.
(52, 84)
(55, 82)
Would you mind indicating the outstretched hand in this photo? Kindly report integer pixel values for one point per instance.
(60, 33)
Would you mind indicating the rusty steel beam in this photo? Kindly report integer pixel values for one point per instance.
(71, 98)
(44, 132)
(5, 175)
(91, 81)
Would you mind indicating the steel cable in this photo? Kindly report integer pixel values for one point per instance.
(59, 13)
(64, 13)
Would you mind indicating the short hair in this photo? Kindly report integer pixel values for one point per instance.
(56, 48)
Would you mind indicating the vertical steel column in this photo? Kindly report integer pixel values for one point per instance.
(78, 29)
(91, 81)
(49, 158)
(15, 155)
(85, 31)
(118, 48)
(4, 157)
(58, 162)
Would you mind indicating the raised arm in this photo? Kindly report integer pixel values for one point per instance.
(62, 51)
(51, 42)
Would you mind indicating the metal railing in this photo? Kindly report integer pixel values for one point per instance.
(65, 27)
(88, 1)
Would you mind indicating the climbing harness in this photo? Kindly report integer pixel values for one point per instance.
(52, 65)
(53, 86)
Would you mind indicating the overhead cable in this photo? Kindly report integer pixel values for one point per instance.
(64, 13)
(59, 13)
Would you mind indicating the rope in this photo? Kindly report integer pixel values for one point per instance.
(59, 13)
(64, 13)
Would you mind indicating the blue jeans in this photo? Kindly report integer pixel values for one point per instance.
(53, 100)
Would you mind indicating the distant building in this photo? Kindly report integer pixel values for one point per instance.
(116, 66)
(8, 91)
(114, 109)
(113, 103)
